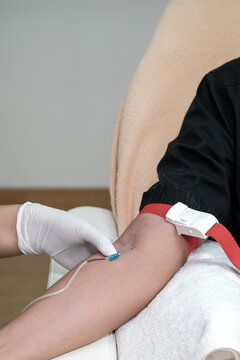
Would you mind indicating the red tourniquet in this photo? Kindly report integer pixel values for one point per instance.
(218, 232)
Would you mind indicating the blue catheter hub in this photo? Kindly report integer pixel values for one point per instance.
(113, 257)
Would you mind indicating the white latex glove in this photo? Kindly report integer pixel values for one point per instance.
(58, 233)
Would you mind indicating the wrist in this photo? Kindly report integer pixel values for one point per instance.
(8, 234)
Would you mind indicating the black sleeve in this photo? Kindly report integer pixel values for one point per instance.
(198, 166)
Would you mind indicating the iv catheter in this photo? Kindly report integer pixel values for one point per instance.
(110, 258)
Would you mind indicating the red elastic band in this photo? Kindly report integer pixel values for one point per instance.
(217, 232)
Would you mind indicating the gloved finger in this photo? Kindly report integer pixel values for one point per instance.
(114, 238)
(107, 248)
(102, 243)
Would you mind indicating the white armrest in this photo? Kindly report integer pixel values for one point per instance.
(104, 348)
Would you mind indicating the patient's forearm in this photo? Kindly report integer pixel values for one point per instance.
(8, 233)
(103, 296)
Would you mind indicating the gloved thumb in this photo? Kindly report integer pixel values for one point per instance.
(102, 242)
(107, 248)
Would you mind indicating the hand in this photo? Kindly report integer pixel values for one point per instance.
(58, 233)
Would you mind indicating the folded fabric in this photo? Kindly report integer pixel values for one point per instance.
(196, 316)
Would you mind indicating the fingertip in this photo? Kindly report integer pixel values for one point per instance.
(110, 250)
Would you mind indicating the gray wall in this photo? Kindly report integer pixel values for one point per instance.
(64, 65)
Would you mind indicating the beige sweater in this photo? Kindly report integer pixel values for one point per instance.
(192, 38)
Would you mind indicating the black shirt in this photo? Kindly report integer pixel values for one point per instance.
(201, 166)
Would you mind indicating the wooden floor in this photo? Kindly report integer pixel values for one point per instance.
(24, 278)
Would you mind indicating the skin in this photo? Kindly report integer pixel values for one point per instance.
(8, 233)
(102, 297)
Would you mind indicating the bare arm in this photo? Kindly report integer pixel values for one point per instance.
(102, 297)
(8, 233)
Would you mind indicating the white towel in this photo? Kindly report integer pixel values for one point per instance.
(196, 316)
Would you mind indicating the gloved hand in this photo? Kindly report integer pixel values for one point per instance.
(42, 228)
